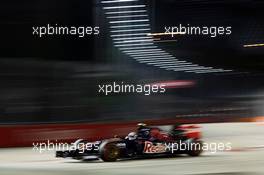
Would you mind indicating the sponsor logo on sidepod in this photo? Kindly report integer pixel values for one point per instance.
(151, 148)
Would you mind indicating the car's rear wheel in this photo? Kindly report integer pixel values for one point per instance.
(196, 148)
(110, 152)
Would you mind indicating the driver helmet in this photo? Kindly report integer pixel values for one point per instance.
(141, 125)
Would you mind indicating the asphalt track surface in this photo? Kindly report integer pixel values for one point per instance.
(245, 158)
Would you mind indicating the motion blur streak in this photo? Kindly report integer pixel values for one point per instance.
(254, 45)
(175, 84)
(167, 33)
(137, 20)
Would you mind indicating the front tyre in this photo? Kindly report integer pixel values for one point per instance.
(110, 152)
(196, 148)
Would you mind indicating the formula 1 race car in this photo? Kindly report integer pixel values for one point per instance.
(144, 143)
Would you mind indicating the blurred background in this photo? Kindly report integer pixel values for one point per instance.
(55, 78)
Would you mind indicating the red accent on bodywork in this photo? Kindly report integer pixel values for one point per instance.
(194, 134)
(189, 127)
(156, 133)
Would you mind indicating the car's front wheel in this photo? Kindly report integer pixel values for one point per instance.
(110, 152)
(195, 148)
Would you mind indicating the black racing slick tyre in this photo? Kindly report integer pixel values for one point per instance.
(196, 148)
(110, 152)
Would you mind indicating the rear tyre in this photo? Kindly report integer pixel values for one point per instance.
(110, 152)
(196, 148)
